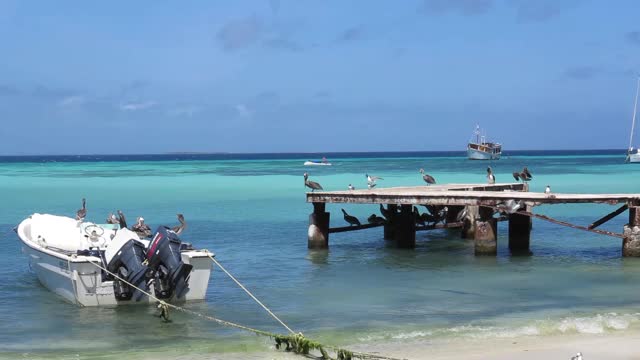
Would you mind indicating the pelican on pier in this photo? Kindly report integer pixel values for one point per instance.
(524, 175)
(375, 219)
(491, 179)
(427, 178)
(311, 184)
(352, 220)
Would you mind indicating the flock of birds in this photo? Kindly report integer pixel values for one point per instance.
(434, 214)
(140, 227)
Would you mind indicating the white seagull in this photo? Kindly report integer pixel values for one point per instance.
(351, 187)
(547, 190)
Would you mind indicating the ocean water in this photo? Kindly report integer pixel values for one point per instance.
(251, 211)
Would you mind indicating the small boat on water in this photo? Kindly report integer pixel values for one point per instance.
(323, 162)
(633, 155)
(70, 257)
(480, 149)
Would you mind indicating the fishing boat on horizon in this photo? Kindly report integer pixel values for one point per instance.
(91, 264)
(323, 162)
(480, 149)
(633, 155)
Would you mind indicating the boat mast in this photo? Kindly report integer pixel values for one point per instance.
(633, 121)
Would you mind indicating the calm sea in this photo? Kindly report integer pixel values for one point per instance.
(251, 211)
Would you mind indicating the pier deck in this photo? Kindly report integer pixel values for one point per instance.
(479, 203)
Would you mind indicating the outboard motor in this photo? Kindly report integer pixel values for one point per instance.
(165, 264)
(125, 257)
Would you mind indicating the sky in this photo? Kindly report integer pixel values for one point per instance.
(128, 77)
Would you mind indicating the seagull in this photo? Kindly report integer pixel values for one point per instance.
(352, 220)
(371, 185)
(509, 207)
(178, 229)
(143, 230)
(577, 357)
(82, 213)
(491, 179)
(311, 184)
(547, 190)
(122, 220)
(351, 187)
(375, 219)
(372, 179)
(112, 219)
(427, 178)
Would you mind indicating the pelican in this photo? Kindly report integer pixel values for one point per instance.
(419, 220)
(178, 229)
(524, 175)
(491, 179)
(311, 184)
(577, 357)
(351, 187)
(112, 219)
(371, 185)
(122, 220)
(143, 230)
(547, 190)
(352, 220)
(82, 213)
(427, 178)
(372, 179)
(509, 207)
(375, 219)
(462, 214)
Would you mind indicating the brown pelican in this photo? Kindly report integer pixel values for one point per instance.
(417, 217)
(384, 212)
(375, 219)
(352, 220)
(524, 175)
(112, 219)
(372, 179)
(427, 178)
(491, 179)
(178, 229)
(82, 213)
(143, 230)
(122, 220)
(311, 184)
(547, 190)
(351, 187)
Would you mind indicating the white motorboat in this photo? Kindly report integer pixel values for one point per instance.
(323, 162)
(70, 257)
(480, 149)
(633, 155)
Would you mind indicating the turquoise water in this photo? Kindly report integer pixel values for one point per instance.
(252, 214)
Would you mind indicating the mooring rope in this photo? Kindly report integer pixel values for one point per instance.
(249, 293)
(295, 342)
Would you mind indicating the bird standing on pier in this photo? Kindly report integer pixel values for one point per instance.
(491, 179)
(178, 229)
(351, 187)
(352, 220)
(427, 178)
(547, 190)
(82, 213)
(311, 184)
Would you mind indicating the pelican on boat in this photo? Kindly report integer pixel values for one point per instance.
(91, 264)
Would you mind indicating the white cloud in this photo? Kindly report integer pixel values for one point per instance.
(137, 106)
(73, 100)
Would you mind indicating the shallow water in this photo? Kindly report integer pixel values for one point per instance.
(252, 213)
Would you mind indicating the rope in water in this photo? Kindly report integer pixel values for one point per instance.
(295, 342)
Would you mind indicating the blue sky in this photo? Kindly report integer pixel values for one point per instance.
(89, 77)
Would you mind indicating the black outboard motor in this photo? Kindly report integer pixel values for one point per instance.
(127, 264)
(165, 264)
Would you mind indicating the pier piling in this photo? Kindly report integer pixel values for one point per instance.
(520, 232)
(405, 230)
(318, 236)
(631, 239)
(392, 213)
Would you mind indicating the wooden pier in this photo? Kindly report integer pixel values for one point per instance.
(469, 207)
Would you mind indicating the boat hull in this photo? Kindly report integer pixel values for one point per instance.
(633, 158)
(79, 280)
(313, 163)
(474, 154)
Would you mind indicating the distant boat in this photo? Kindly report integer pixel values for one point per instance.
(480, 149)
(633, 156)
(323, 162)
